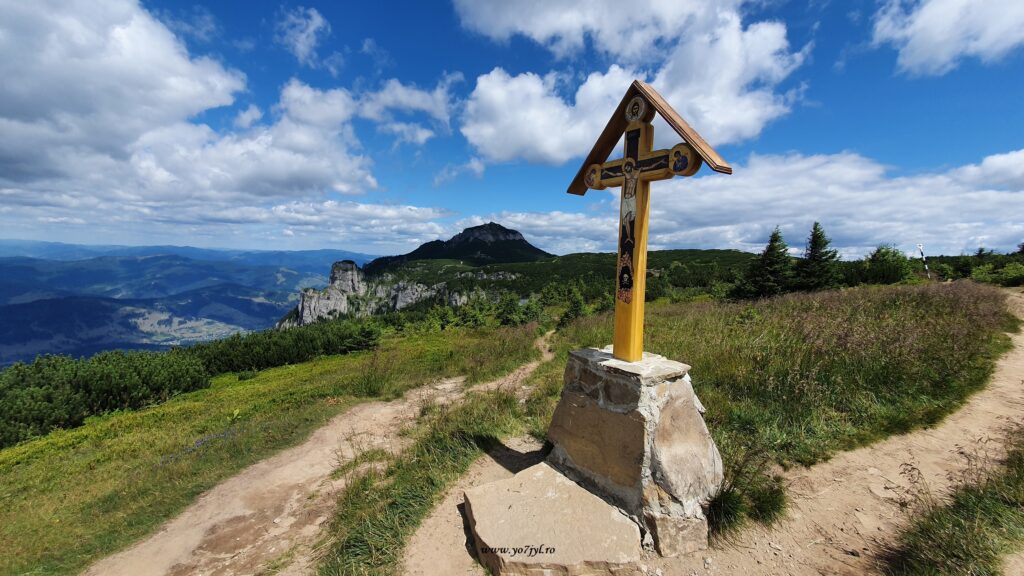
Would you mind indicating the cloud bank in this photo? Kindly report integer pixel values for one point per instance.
(860, 204)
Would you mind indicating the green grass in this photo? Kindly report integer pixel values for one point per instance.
(793, 380)
(73, 496)
(968, 535)
(379, 512)
(785, 381)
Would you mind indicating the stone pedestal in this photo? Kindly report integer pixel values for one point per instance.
(632, 465)
(633, 432)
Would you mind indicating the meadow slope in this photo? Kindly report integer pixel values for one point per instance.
(839, 513)
(72, 497)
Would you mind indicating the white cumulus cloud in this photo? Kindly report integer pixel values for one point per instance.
(508, 117)
(83, 80)
(407, 132)
(630, 30)
(721, 74)
(932, 36)
(248, 117)
(474, 166)
(397, 96)
(300, 30)
(98, 118)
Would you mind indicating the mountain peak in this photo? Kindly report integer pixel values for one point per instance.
(489, 233)
(488, 243)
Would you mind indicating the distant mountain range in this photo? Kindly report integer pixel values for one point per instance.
(300, 260)
(80, 299)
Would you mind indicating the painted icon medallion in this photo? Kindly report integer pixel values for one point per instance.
(636, 108)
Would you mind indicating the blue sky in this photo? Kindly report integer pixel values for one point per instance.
(307, 125)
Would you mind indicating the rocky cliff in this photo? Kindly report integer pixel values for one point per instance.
(377, 288)
(351, 293)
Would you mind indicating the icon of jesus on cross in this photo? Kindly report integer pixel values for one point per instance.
(639, 166)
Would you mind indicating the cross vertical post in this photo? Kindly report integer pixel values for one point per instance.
(631, 274)
(634, 172)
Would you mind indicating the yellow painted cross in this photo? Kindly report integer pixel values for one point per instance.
(634, 172)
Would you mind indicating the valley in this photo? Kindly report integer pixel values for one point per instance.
(79, 300)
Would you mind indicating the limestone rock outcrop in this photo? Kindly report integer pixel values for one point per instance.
(351, 292)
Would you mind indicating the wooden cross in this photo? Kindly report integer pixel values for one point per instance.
(634, 172)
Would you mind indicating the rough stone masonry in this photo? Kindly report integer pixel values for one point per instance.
(633, 432)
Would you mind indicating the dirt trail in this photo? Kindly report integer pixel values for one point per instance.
(271, 513)
(840, 512)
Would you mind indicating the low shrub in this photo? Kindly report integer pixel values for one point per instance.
(61, 392)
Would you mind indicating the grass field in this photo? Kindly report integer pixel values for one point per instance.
(787, 381)
(73, 496)
(795, 379)
(792, 380)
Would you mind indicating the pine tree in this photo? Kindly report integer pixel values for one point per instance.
(508, 310)
(818, 270)
(771, 273)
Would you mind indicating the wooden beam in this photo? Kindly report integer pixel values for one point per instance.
(617, 124)
(683, 129)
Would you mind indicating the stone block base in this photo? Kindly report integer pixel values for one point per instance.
(634, 433)
(541, 523)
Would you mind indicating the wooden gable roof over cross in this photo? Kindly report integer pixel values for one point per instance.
(617, 125)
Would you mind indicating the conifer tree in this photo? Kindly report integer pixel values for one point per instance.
(818, 270)
(771, 273)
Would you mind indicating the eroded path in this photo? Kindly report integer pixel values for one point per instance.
(840, 513)
(272, 512)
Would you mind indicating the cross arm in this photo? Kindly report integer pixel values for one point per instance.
(681, 160)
